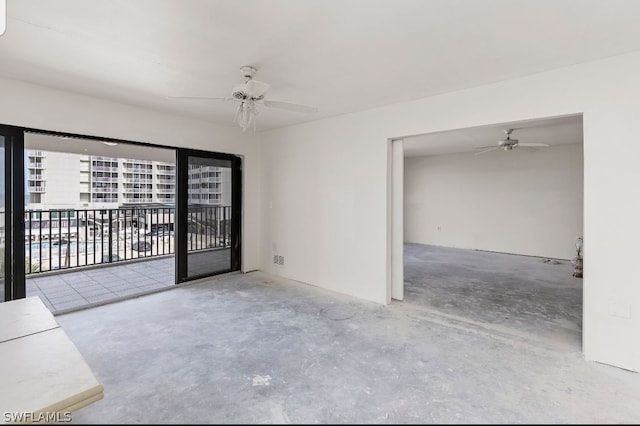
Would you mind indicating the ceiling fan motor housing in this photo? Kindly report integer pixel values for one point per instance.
(238, 92)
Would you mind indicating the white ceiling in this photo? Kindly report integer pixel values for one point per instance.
(341, 56)
(552, 131)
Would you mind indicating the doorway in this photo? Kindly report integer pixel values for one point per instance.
(489, 234)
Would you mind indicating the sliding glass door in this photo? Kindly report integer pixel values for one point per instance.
(205, 229)
(208, 214)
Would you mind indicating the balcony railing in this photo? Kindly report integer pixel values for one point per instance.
(137, 180)
(104, 179)
(166, 172)
(36, 189)
(134, 169)
(135, 161)
(80, 238)
(134, 190)
(137, 200)
(208, 179)
(109, 190)
(104, 168)
(108, 198)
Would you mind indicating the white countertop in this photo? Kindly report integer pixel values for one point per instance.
(23, 317)
(43, 375)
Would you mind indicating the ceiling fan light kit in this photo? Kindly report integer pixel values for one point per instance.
(250, 94)
(246, 115)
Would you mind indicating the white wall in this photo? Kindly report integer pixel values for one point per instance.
(325, 188)
(34, 106)
(521, 202)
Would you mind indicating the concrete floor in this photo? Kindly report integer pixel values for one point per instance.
(253, 348)
(521, 296)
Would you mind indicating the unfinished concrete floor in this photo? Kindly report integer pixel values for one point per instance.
(253, 348)
(522, 297)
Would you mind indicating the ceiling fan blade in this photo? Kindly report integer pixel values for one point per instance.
(532, 144)
(486, 150)
(290, 107)
(255, 88)
(487, 146)
(202, 98)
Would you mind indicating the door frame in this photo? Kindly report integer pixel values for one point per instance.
(14, 284)
(181, 212)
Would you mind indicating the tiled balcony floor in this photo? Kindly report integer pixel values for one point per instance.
(67, 291)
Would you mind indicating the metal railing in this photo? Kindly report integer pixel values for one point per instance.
(208, 227)
(104, 168)
(64, 239)
(134, 161)
(138, 169)
(129, 199)
(104, 179)
(136, 180)
(111, 190)
(133, 190)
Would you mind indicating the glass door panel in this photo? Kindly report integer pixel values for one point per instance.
(209, 217)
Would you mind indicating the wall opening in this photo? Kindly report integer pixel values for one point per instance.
(490, 231)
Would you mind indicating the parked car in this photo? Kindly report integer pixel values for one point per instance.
(161, 233)
(141, 245)
(221, 243)
(114, 258)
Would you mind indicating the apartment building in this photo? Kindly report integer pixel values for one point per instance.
(55, 180)
(209, 185)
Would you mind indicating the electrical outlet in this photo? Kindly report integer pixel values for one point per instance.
(278, 260)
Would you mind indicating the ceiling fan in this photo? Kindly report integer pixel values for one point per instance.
(248, 96)
(509, 144)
